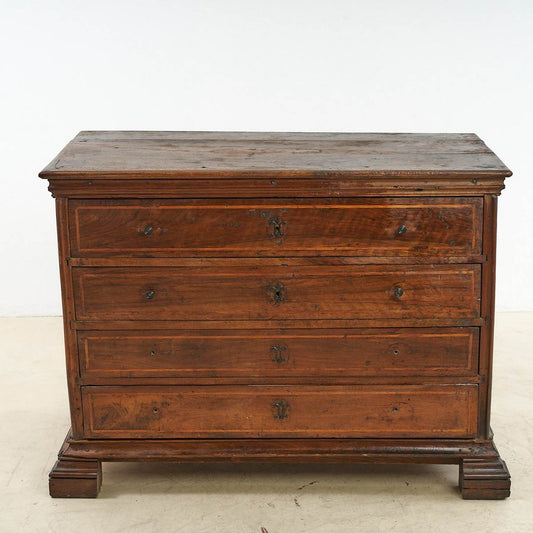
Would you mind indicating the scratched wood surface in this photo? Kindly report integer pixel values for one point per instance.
(365, 227)
(365, 292)
(142, 154)
(294, 411)
(278, 296)
(279, 354)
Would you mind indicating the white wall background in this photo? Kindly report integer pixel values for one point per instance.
(371, 65)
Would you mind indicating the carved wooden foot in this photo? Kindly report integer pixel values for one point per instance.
(484, 478)
(75, 478)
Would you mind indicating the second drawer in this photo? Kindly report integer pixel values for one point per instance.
(277, 353)
(282, 293)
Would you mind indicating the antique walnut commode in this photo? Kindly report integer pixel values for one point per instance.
(288, 297)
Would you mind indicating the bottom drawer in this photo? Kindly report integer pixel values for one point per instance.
(281, 411)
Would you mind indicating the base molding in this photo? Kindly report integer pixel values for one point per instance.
(482, 475)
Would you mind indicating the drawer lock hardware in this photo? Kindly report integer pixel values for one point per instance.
(149, 295)
(277, 229)
(279, 352)
(401, 229)
(281, 409)
(148, 230)
(277, 292)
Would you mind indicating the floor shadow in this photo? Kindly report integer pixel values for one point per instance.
(260, 478)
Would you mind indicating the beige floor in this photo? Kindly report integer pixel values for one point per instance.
(247, 498)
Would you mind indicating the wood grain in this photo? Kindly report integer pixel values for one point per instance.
(295, 297)
(487, 305)
(69, 314)
(286, 450)
(446, 291)
(102, 155)
(484, 479)
(250, 411)
(74, 477)
(279, 354)
(370, 227)
(276, 186)
(299, 260)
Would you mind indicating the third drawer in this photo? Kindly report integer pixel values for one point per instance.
(279, 353)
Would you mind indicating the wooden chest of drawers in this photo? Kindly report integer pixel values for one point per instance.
(278, 297)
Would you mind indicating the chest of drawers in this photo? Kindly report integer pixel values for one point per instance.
(277, 297)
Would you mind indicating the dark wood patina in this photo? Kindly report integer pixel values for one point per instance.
(296, 297)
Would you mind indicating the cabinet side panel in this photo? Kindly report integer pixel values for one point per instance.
(488, 279)
(71, 351)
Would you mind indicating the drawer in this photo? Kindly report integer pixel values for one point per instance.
(283, 411)
(362, 227)
(279, 354)
(344, 292)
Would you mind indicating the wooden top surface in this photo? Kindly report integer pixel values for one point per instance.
(142, 154)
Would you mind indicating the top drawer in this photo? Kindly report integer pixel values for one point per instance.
(361, 227)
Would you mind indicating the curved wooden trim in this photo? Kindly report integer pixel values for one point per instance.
(74, 477)
(438, 451)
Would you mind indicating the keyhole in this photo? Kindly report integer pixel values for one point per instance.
(152, 352)
(277, 231)
(277, 292)
(279, 351)
(155, 410)
(396, 352)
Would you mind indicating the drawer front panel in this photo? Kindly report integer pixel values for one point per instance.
(364, 227)
(269, 411)
(377, 352)
(352, 292)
